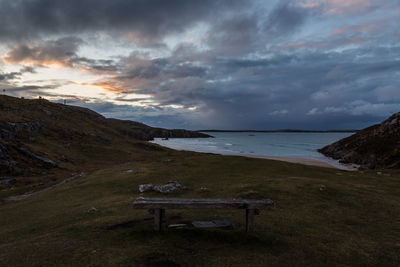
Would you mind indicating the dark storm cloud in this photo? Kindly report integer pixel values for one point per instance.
(324, 89)
(252, 65)
(149, 20)
(285, 18)
(60, 51)
(236, 34)
(162, 67)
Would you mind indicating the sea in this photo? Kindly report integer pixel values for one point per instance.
(294, 145)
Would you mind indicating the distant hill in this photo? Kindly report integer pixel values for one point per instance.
(279, 131)
(375, 147)
(36, 135)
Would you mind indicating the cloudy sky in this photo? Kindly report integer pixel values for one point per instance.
(306, 64)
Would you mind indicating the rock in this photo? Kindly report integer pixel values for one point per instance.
(47, 161)
(7, 181)
(145, 187)
(322, 187)
(16, 127)
(92, 209)
(5, 159)
(131, 171)
(166, 188)
(177, 226)
(169, 187)
(212, 224)
(48, 112)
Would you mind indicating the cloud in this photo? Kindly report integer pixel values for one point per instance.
(355, 29)
(285, 18)
(60, 52)
(388, 93)
(236, 34)
(279, 112)
(338, 7)
(313, 111)
(15, 75)
(145, 21)
(291, 64)
(48, 53)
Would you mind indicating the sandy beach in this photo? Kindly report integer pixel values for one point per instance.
(311, 162)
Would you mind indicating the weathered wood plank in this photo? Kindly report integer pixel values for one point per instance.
(250, 220)
(158, 219)
(202, 203)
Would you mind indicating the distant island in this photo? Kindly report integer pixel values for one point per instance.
(280, 131)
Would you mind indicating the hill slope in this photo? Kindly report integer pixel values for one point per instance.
(375, 147)
(36, 134)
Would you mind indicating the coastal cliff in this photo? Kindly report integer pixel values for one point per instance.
(36, 134)
(375, 147)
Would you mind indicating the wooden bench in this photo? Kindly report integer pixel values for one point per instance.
(159, 205)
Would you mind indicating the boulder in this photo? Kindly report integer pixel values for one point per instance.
(145, 187)
(166, 188)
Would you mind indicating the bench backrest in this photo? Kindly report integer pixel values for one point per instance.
(202, 203)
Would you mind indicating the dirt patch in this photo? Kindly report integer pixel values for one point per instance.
(27, 195)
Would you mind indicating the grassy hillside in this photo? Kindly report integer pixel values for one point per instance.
(353, 222)
(41, 141)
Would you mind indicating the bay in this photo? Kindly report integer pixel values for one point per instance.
(256, 144)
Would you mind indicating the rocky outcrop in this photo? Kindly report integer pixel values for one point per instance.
(375, 147)
(140, 131)
(7, 163)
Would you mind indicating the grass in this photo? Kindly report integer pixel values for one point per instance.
(355, 221)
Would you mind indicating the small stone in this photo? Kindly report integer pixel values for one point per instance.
(203, 224)
(177, 226)
(131, 171)
(49, 113)
(212, 224)
(322, 187)
(204, 189)
(379, 173)
(92, 209)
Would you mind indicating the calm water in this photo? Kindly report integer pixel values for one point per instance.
(292, 145)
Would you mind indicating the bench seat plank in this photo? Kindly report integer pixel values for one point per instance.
(201, 203)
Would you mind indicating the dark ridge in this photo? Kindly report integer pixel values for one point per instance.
(37, 135)
(280, 131)
(375, 147)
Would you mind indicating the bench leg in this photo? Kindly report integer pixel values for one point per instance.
(158, 219)
(250, 220)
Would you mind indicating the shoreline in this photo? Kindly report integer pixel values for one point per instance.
(307, 161)
(299, 160)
